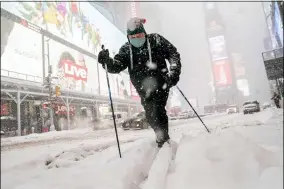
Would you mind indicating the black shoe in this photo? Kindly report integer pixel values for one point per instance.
(162, 136)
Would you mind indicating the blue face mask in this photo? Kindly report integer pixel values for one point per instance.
(138, 42)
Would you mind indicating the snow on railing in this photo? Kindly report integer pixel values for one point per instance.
(16, 75)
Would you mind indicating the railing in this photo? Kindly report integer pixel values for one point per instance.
(105, 93)
(270, 55)
(36, 79)
(16, 75)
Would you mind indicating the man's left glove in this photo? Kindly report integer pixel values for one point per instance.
(172, 80)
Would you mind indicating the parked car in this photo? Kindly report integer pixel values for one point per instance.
(186, 115)
(172, 116)
(233, 109)
(251, 106)
(8, 123)
(119, 117)
(266, 105)
(137, 121)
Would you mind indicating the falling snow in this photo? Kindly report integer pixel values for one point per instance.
(164, 70)
(151, 65)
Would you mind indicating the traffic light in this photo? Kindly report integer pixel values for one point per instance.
(57, 91)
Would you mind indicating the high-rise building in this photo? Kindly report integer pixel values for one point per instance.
(223, 72)
(244, 38)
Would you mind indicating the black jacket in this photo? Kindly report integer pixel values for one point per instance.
(139, 68)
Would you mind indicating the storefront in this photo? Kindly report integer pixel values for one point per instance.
(31, 116)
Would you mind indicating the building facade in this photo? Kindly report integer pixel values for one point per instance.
(273, 57)
(222, 67)
(61, 38)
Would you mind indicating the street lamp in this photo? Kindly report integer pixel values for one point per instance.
(48, 84)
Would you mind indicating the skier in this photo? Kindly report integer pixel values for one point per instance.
(144, 55)
(276, 99)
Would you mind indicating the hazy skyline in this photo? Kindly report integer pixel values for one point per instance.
(184, 25)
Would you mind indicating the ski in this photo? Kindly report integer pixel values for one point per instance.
(162, 165)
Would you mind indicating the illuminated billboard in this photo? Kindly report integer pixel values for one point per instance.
(222, 73)
(77, 22)
(134, 94)
(243, 85)
(75, 71)
(123, 81)
(119, 84)
(217, 48)
(19, 54)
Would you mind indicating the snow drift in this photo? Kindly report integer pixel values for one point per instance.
(225, 160)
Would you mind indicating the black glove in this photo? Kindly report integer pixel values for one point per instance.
(172, 80)
(103, 57)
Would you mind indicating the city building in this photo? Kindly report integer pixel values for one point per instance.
(245, 37)
(49, 59)
(221, 61)
(273, 57)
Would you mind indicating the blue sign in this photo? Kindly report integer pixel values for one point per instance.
(277, 25)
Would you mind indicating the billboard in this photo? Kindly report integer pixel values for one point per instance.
(77, 22)
(123, 82)
(19, 54)
(239, 64)
(243, 86)
(222, 73)
(217, 48)
(119, 84)
(103, 83)
(75, 71)
(134, 94)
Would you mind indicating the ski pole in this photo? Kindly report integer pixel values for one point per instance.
(193, 109)
(111, 104)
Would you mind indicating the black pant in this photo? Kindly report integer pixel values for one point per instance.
(277, 103)
(155, 111)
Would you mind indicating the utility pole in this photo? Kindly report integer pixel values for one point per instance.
(48, 84)
(52, 128)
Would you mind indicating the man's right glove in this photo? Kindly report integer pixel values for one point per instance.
(103, 57)
(172, 80)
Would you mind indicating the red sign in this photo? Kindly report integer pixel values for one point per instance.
(4, 110)
(134, 94)
(62, 109)
(222, 73)
(75, 71)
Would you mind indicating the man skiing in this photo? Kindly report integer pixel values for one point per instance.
(144, 55)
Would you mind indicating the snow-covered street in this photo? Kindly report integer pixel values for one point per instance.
(243, 151)
(142, 95)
